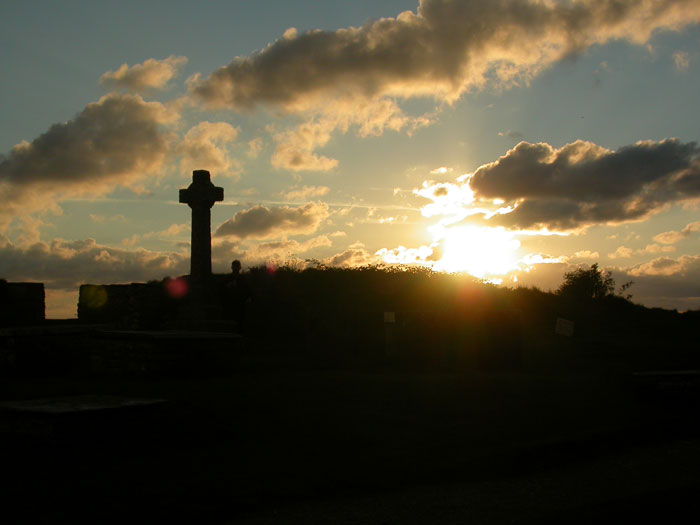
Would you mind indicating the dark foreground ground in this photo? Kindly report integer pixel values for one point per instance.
(282, 442)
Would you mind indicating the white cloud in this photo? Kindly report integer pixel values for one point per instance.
(402, 255)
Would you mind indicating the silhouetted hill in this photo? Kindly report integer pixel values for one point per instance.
(431, 317)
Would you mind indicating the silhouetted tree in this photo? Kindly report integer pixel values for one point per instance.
(588, 283)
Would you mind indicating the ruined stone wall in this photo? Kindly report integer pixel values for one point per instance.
(21, 303)
(135, 305)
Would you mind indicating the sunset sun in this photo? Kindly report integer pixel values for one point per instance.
(478, 251)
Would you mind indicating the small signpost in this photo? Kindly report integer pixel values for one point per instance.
(389, 341)
(564, 327)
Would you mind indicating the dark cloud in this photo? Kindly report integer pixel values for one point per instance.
(441, 50)
(582, 183)
(261, 222)
(116, 141)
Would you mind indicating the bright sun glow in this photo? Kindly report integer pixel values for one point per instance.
(477, 251)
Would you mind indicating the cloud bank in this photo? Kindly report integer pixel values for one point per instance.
(116, 141)
(354, 76)
(443, 49)
(261, 222)
(66, 264)
(582, 183)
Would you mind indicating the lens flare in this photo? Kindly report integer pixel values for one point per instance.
(176, 288)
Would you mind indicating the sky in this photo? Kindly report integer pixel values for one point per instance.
(514, 140)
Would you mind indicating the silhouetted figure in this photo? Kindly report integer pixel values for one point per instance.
(4, 303)
(238, 294)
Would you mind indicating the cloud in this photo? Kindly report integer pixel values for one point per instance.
(284, 249)
(582, 183)
(355, 255)
(172, 231)
(666, 282)
(443, 49)
(586, 254)
(672, 237)
(511, 134)
(656, 248)
(255, 147)
(224, 250)
(117, 141)
(204, 147)
(306, 192)
(667, 266)
(663, 282)
(622, 252)
(681, 60)
(295, 147)
(66, 264)
(97, 218)
(261, 222)
(448, 199)
(403, 255)
(150, 74)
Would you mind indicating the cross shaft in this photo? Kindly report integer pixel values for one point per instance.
(200, 196)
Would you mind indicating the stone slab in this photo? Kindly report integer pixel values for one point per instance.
(76, 404)
(150, 335)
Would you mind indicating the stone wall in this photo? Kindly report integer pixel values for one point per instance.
(135, 305)
(21, 303)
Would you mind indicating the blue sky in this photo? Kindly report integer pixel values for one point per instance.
(513, 140)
